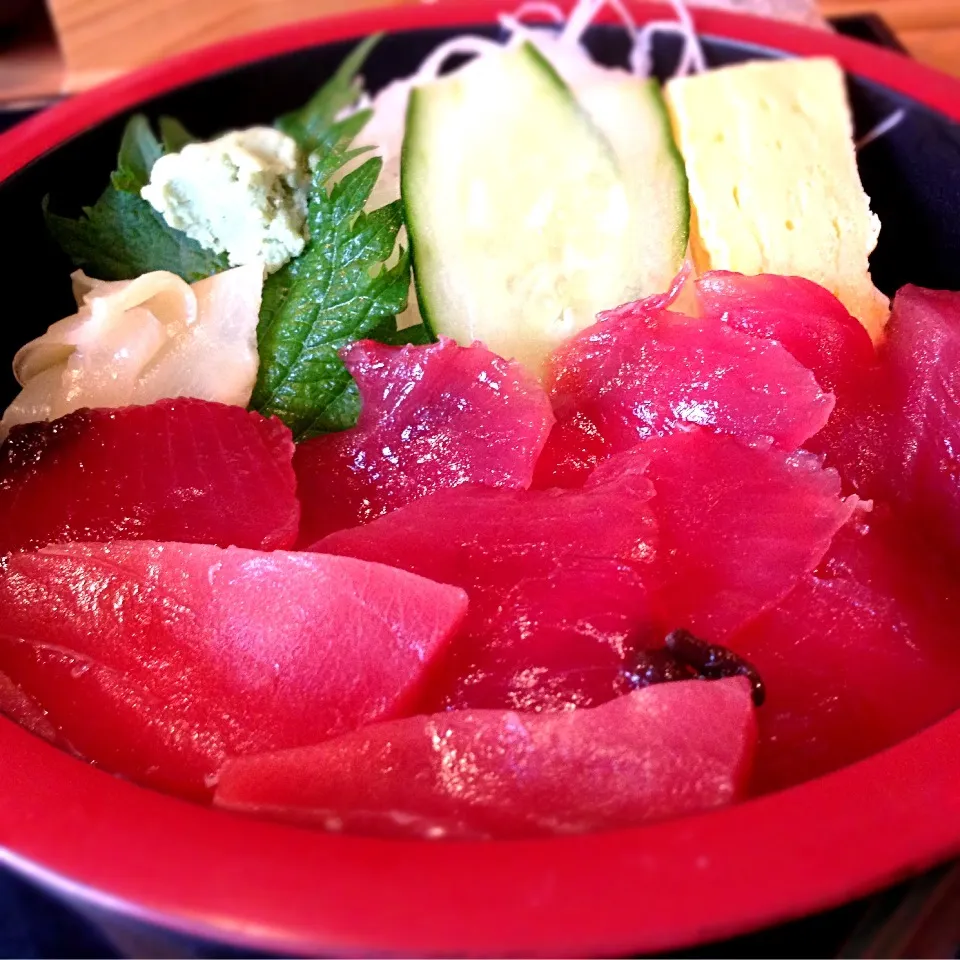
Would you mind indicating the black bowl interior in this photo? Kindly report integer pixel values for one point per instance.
(912, 174)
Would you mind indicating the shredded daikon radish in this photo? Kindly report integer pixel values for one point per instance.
(692, 46)
(692, 58)
(882, 128)
(585, 12)
(466, 45)
(641, 58)
(581, 17)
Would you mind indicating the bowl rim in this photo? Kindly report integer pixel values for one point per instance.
(649, 889)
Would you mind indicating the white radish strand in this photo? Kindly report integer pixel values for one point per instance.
(537, 8)
(882, 128)
(585, 12)
(698, 59)
(692, 57)
(583, 15)
(465, 45)
(641, 58)
(565, 45)
(518, 31)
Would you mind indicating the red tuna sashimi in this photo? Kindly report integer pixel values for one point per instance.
(856, 658)
(640, 373)
(159, 661)
(819, 332)
(433, 417)
(665, 751)
(856, 440)
(923, 356)
(555, 579)
(547, 642)
(185, 470)
(807, 319)
(738, 526)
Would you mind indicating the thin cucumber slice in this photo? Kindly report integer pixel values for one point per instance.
(525, 219)
(633, 116)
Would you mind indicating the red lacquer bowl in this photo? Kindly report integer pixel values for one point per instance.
(645, 890)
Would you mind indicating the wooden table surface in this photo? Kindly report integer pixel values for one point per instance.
(929, 29)
(100, 38)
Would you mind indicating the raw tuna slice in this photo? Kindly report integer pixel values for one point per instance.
(640, 373)
(159, 661)
(547, 642)
(433, 417)
(664, 751)
(807, 319)
(819, 332)
(923, 354)
(738, 527)
(857, 657)
(555, 578)
(185, 470)
(856, 440)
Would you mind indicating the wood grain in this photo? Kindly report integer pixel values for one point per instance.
(100, 38)
(929, 29)
(104, 34)
(33, 71)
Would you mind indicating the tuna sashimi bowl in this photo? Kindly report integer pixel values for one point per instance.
(517, 448)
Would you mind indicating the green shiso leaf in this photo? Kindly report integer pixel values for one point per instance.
(121, 236)
(339, 290)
